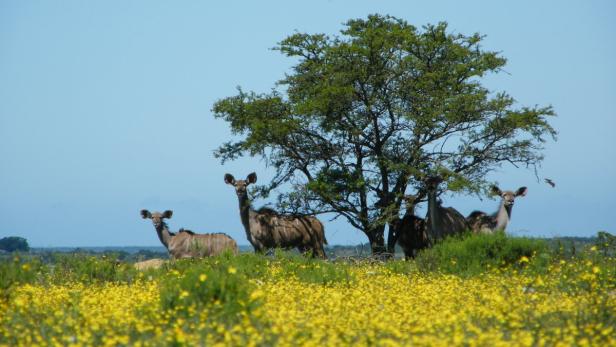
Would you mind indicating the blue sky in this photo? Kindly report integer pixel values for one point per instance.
(105, 109)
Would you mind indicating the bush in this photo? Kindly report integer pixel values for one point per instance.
(475, 253)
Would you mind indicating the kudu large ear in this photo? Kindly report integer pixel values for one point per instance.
(145, 214)
(496, 191)
(167, 214)
(252, 178)
(521, 191)
(229, 179)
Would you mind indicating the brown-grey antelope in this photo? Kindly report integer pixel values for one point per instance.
(480, 221)
(187, 244)
(441, 221)
(267, 229)
(412, 230)
(149, 264)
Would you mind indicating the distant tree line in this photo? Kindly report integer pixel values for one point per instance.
(14, 243)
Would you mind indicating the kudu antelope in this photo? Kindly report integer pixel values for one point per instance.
(441, 221)
(149, 264)
(412, 230)
(482, 222)
(267, 229)
(187, 244)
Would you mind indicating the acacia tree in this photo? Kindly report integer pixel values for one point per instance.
(364, 117)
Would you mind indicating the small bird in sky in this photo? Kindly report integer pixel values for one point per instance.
(550, 182)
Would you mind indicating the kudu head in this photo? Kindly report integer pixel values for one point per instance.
(241, 185)
(509, 196)
(156, 217)
(432, 183)
(409, 201)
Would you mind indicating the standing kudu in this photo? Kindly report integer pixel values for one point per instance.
(267, 229)
(441, 221)
(485, 223)
(185, 243)
(412, 235)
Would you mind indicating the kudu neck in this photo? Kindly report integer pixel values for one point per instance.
(503, 215)
(162, 230)
(410, 210)
(244, 203)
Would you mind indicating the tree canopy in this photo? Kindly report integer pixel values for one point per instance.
(365, 116)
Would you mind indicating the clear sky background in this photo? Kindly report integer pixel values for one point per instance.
(105, 109)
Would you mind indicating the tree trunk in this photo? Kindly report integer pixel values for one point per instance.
(392, 236)
(377, 241)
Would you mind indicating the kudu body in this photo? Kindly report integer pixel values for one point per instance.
(267, 229)
(149, 264)
(441, 221)
(187, 244)
(488, 223)
(412, 235)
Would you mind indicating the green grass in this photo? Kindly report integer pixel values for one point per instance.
(465, 255)
(90, 269)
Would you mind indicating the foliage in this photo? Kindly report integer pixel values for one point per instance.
(14, 243)
(364, 117)
(476, 253)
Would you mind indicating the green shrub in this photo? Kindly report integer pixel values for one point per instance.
(475, 253)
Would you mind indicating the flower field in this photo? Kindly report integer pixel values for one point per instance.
(252, 300)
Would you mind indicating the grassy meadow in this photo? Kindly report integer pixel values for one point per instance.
(484, 290)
